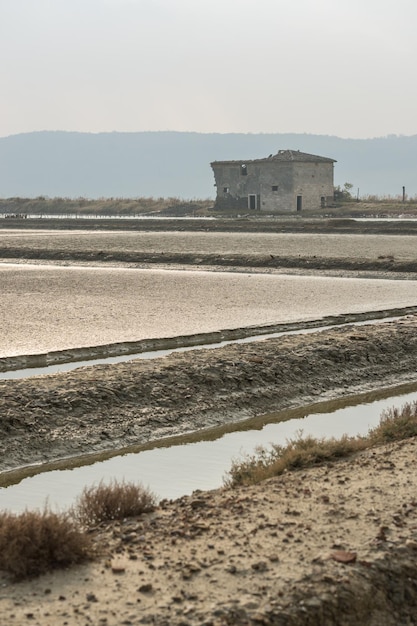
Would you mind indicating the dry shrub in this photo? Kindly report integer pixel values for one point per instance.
(395, 424)
(305, 452)
(33, 542)
(251, 469)
(116, 500)
(300, 452)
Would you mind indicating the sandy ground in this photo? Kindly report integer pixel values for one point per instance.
(336, 544)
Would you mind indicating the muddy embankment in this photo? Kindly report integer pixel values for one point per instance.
(384, 264)
(39, 361)
(107, 407)
(244, 224)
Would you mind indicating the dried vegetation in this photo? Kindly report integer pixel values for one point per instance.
(34, 542)
(115, 500)
(304, 452)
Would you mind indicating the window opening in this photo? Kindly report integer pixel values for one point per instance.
(243, 169)
(225, 189)
(274, 187)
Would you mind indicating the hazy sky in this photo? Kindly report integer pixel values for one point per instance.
(336, 67)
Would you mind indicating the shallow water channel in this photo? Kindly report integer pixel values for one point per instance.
(177, 467)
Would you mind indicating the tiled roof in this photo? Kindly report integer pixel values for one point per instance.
(286, 156)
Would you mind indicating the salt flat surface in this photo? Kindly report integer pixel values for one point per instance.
(328, 245)
(45, 308)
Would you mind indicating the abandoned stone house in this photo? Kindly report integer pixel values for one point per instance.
(287, 181)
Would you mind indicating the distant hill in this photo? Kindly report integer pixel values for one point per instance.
(177, 164)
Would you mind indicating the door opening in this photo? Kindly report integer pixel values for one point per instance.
(252, 202)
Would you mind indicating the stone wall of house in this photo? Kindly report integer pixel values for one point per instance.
(271, 186)
(277, 187)
(313, 181)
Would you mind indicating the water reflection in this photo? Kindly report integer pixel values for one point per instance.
(177, 470)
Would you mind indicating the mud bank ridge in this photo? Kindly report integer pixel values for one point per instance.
(384, 265)
(107, 407)
(127, 348)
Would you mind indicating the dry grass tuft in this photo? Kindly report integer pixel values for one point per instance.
(34, 542)
(297, 454)
(395, 424)
(116, 500)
